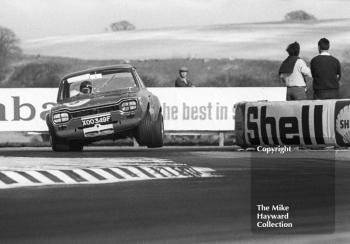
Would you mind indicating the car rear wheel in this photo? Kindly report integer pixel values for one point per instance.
(57, 144)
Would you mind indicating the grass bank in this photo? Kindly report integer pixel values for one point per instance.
(38, 71)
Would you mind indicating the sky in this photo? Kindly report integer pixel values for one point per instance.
(31, 19)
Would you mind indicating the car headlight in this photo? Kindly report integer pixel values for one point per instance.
(128, 106)
(60, 117)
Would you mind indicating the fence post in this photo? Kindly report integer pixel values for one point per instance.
(221, 139)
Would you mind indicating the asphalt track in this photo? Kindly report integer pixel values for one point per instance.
(192, 210)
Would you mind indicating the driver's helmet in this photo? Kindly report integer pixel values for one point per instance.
(86, 87)
(183, 69)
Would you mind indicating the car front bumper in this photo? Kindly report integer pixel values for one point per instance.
(119, 123)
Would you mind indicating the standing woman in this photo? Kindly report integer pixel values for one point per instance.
(292, 72)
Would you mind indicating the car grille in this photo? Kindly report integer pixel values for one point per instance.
(97, 110)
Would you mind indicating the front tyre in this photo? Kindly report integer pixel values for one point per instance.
(158, 132)
(151, 133)
(58, 145)
(76, 146)
(144, 131)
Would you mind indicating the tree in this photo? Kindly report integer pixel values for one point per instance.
(9, 49)
(299, 15)
(122, 26)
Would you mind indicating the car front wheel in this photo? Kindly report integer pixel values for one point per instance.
(150, 133)
(76, 146)
(57, 144)
(158, 132)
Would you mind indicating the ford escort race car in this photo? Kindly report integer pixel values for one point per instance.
(104, 103)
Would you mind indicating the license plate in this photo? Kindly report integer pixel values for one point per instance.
(101, 119)
(98, 130)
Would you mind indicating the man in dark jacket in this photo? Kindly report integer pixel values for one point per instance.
(325, 70)
(182, 80)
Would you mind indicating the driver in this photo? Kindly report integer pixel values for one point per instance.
(85, 87)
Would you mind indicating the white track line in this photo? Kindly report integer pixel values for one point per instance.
(122, 173)
(62, 176)
(104, 174)
(152, 172)
(127, 168)
(163, 171)
(86, 176)
(39, 177)
(99, 175)
(170, 171)
(139, 173)
(176, 173)
(17, 177)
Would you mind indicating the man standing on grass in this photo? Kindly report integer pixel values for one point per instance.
(292, 72)
(326, 72)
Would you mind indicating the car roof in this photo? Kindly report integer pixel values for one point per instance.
(96, 69)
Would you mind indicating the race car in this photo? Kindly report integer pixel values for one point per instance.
(104, 103)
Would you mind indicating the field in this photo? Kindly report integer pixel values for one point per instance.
(230, 41)
(236, 55)
(47, 71)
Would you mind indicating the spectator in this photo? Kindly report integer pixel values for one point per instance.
(292, 72)
(182, 80)
(326, 72)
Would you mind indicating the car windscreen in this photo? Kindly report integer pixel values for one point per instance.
(98, 82)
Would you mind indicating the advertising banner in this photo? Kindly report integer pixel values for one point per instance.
(184, 109)
(314, 122)
(342, 122)
(24, 109)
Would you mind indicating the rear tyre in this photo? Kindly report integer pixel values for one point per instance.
(57, 144)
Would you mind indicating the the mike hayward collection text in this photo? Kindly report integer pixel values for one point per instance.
(273, 216)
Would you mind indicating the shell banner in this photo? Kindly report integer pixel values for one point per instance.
(342, 122)
(306, 123)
